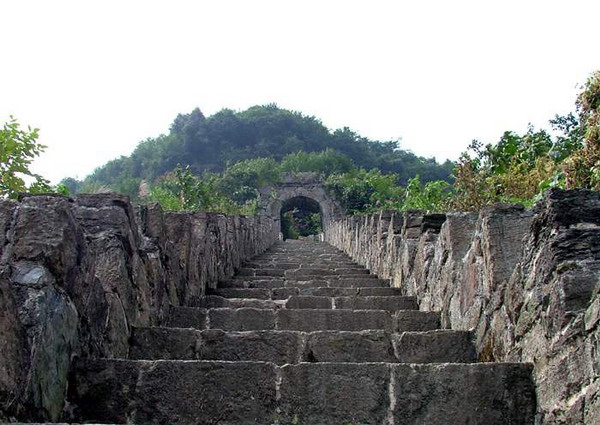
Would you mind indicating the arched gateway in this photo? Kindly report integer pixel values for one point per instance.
(303, 191)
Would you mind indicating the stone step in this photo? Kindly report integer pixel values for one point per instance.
(169, 392)
(314, 281)
(272, 272)
(234, 292)
(390, 303)
(313, 251)
(304, 258)
(296, 265)
(272, 265)
(304, 273)
(281, 347)
(251, 319)
(216, 301)
(246, 282)
(280, 293)
(326, 274)
(240, 393)
(379, 393)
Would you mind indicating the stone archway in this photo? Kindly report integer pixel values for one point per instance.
(300, 188)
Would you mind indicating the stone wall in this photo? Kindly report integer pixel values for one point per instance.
(526, 282)
(77, 274)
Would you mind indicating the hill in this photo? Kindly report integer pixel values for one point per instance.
(227, 137)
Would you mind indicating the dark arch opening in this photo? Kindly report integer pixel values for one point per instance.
(300, 217)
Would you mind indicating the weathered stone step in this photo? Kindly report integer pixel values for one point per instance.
(216, 301)
(250, 319)
(272, 265)
(313, 252)
(281, 347)
(390, 303)
(314, 281)
(304, 272)
(169, 392)
(304, 258)
(279, 293)
(250, 282)
(240, 393)
(325, 273)
(379, 393)
(297, 265)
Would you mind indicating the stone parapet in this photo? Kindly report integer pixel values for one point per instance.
(78, 274)
(525, 281)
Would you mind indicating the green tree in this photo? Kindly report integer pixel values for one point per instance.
(324, 162)
(582, 169)
(181, 190)
(432, 196)
(18, 149)
(242, 180)
(267, 131)
(365, 191)
(72, 185)
(515, 169)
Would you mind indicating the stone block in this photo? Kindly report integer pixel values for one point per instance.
(339, 346)
(312, 273)
(359, 272)
(102, 390)
(439, 346)
(260, 293)
(389, 303)
(270, 272)
(188, 317)
(214, 301)
(408, 320)
(265, 283)
(310, 302)
(487, 393)
(158, 343)
(343, 320)
(334, 394)
(183, 392)
(241, 319)
(364, 282)
(329, 292)
(279, 347)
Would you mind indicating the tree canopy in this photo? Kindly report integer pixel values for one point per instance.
(227, 137)
(18, 149)
(220, 162)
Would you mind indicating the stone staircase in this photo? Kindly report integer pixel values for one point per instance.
(301, 335)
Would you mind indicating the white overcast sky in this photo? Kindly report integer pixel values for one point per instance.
(97, 77)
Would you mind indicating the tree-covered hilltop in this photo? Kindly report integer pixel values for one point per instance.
(220, 163)
(212, 143)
